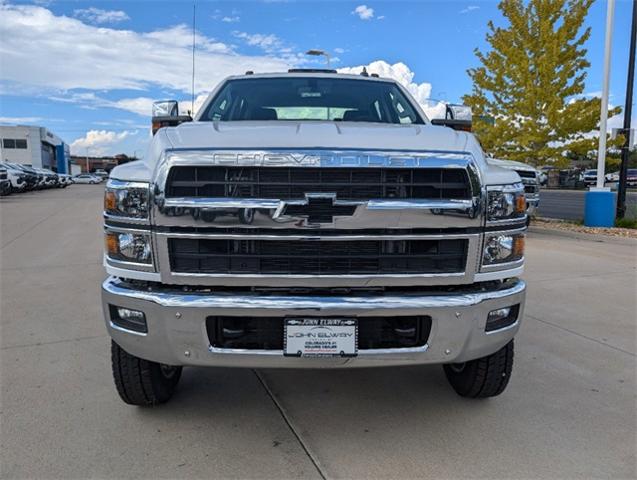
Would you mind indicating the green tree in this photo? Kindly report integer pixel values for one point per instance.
(527, 94)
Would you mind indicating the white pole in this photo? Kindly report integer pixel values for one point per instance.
(601, 153)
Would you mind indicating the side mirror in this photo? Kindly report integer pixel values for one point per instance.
(166, 114)
(457, 117)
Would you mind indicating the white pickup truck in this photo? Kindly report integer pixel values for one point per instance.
(311, 219)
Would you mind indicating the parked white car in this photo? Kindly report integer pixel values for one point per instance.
(589, 177)
(612, 177)
(64, 180)
(17, 177)
(86, 178)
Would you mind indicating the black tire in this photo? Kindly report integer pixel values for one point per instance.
(141, 382)
(484, 377)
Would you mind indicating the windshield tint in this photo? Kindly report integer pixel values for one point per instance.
(311, 98)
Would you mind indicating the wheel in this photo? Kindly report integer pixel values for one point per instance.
(484, 377)
(142, 382)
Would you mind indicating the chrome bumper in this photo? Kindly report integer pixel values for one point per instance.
(177, 331)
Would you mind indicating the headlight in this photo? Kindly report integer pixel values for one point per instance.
(126, 199)
(503, 248)
(505, 202)
(128, 247)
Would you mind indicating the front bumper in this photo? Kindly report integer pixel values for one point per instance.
(177, 335)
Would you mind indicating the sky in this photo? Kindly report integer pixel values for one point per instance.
(89, 70)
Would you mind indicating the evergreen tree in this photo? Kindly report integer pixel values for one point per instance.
(527, 94)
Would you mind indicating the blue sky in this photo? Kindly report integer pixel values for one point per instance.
(89, 70)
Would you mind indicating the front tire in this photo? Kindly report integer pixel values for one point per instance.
(484, 377)
(142, 382)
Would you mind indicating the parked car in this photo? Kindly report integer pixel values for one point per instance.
(362, 235)
(5, 183)
(50, 177)
(86, 178)
(16, 177)
(103, 174)
(64, 180)
(31, 178)
(589, 177)
(612, 177)
(631, 177)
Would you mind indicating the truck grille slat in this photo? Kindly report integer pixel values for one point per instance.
(287, 183)
(212, 256)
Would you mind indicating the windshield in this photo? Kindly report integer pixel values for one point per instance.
(311, 98)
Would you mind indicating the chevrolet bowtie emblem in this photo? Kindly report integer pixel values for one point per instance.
(318, 209)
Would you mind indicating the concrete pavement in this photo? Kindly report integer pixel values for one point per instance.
(569, 411)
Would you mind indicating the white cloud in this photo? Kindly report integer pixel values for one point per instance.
(231, 19)
(470, 8)
(108, 58)
(97, 15)
(364, 12)
(139, 105)
(20, 120)
(267, 42)
(339, 50)
(398, 71)
(380, 17)
(98, 142)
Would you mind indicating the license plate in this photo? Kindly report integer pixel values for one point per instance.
(320, 337)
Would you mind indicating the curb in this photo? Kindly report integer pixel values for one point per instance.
(591, 237)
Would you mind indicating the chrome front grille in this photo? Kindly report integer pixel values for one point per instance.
(317, 218)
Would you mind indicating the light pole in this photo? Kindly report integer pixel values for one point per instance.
(599, 208)
(88, 167)
(320, 53)
(623, 170)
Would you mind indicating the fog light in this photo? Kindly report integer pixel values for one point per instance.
(128, 319)
(501, 318)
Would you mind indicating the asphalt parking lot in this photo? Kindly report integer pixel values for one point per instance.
(569, 411)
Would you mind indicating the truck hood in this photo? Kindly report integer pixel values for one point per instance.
(511, 164)
(308, 135)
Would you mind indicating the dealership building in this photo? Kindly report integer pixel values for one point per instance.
(35, 146)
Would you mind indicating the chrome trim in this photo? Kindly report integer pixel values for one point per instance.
(125, 265)
(132, 220)
(369, 351)
(261, 305)
(502, 266)
(125, 185)
(316, 236)
(499, 274)
(131, 274)
(121, 229)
